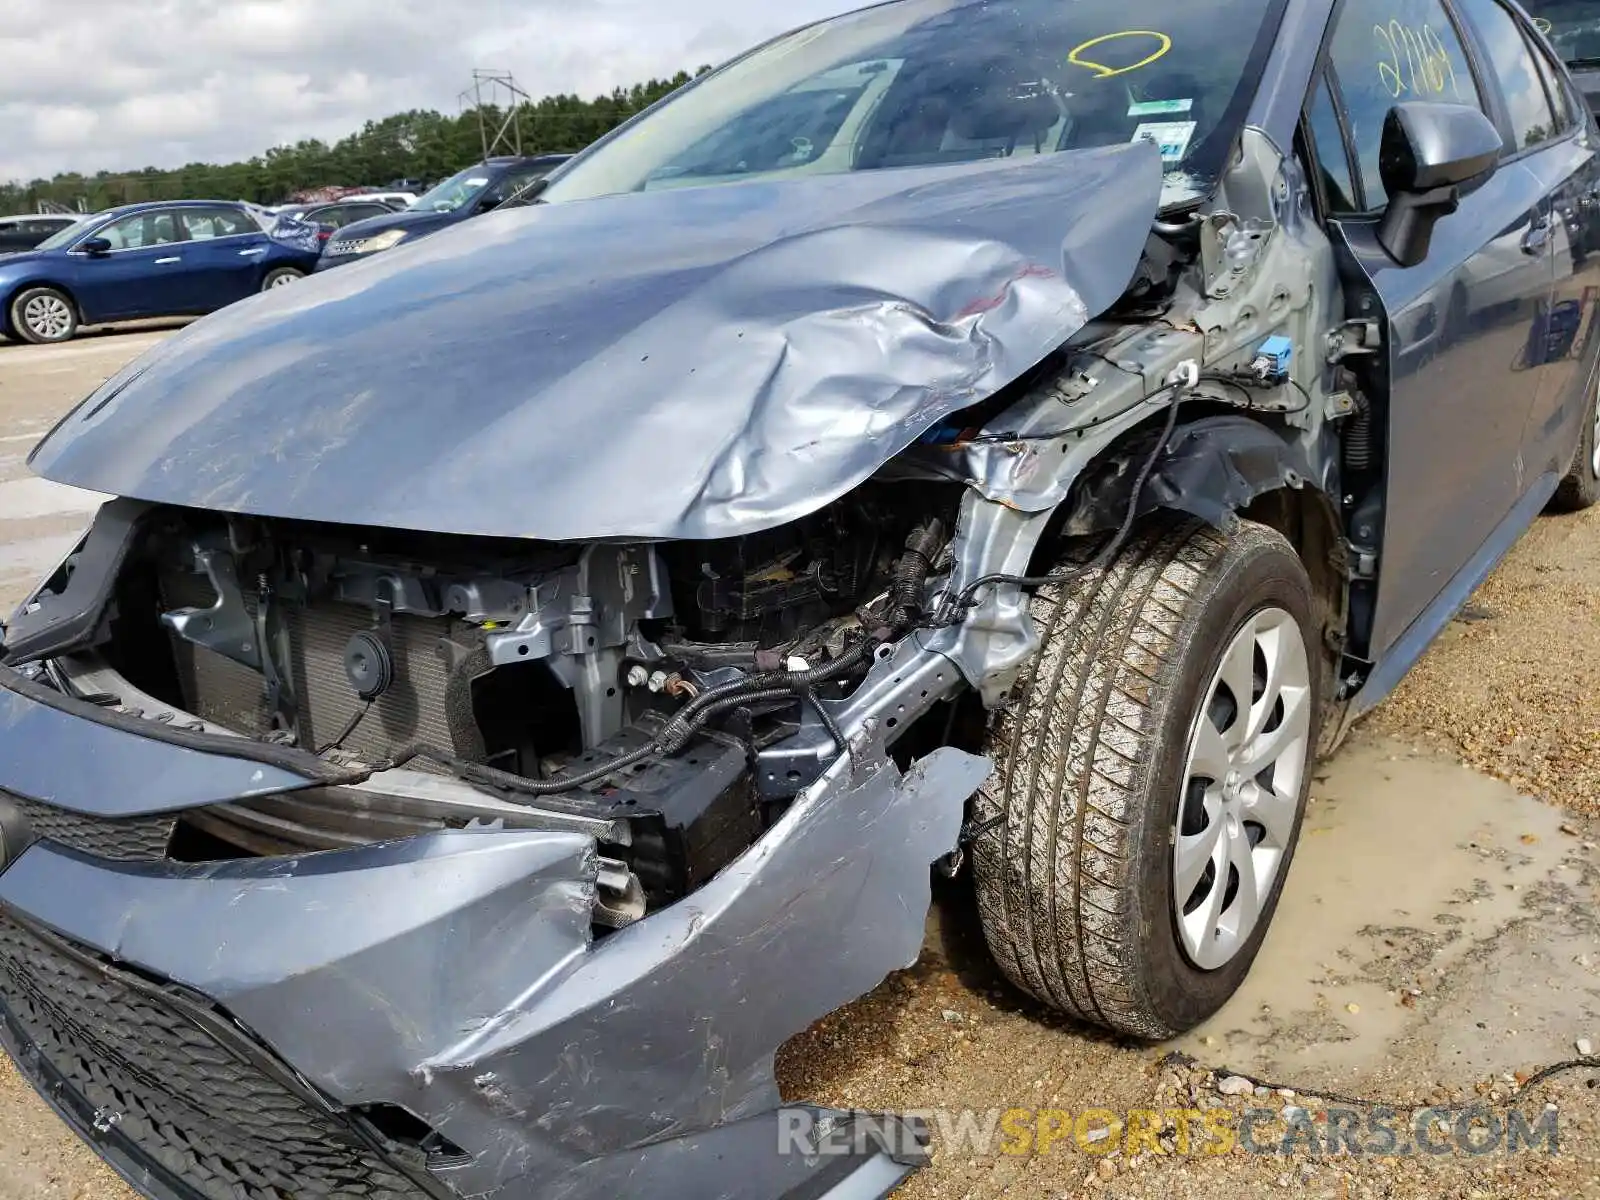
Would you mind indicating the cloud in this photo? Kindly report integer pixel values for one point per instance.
(106, 85)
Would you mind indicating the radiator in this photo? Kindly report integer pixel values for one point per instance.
(430, 700)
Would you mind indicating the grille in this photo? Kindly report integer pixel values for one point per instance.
(197, 1114)
(134, 839)
(429, 701)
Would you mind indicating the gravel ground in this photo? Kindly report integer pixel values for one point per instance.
(1439, 958)
(1513, 688)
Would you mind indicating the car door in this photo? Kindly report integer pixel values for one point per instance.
(140, 275)
(1456, 325)
(226, 249)
(1562, 145)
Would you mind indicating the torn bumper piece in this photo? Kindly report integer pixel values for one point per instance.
(434, 1017)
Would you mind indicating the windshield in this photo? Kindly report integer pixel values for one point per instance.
(924, 82)
(454, 192)
(1573, 27)
(61, 237)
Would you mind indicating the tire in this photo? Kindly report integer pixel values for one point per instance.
(43, 316)
(1581, 488)
(281, 277)
(1075, 885)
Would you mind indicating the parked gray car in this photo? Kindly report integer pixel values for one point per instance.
(524, 679)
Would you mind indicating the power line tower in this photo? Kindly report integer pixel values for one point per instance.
(500, 132)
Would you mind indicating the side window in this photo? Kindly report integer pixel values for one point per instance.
(145, 229)
(1555, 88)
(1328, 147)
(207, 223)
(1532, 121)
(513, 183)
(1386, 51)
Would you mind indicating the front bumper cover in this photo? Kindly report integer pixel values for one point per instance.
(453, 977)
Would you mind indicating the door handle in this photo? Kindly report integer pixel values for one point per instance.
(252, 253)
(161, 262)
(1537, 237)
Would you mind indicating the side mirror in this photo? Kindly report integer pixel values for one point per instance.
(1427, 154)
(95, 246)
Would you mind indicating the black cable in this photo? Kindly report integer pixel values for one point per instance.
(672, 739)
(826, 717)
(350, 727)
(951, 613)
(994, 439)
(1244, 383)
(1179, 1059)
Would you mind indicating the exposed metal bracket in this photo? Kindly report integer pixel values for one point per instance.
(1338, 404)
(226, 627)
(1362, 336)
(582, 622)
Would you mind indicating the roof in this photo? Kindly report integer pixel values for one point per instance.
(126, 210)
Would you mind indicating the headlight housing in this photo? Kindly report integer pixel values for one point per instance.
(386, 240)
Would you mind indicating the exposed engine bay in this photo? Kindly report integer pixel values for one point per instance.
(632, 689)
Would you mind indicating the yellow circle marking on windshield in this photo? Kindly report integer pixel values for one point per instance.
(1542, 25)
(1104, 72)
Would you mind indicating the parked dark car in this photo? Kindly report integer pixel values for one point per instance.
(1002, 434)
(142, 260)
(330, 218)
(1573, 28)
(471, 193)
(27, 231)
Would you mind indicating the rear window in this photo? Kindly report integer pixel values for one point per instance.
(1573, 27)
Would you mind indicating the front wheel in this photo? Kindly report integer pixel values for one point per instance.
(281, 277)
(43, 315)
(1152, 775)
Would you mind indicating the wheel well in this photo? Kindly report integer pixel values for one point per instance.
(1220, 468)
(11, 296)
(1306, 516)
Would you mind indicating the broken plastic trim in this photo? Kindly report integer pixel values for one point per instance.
(285, 758)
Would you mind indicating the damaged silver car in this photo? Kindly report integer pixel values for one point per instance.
(524, 679)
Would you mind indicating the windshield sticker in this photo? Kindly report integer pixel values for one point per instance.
(1101, 70)
(477, 181)
(1157, 108)
(1172, 137)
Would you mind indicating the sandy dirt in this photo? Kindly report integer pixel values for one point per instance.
(1437, 943)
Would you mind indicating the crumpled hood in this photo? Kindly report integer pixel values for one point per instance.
(693, 363)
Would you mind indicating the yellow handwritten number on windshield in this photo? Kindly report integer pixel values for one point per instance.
(1104, 72)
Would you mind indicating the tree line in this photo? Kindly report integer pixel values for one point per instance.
(420, 144)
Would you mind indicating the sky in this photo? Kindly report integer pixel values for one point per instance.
(90, 85)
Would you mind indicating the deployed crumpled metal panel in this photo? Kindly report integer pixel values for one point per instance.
(693, 363)
(461, 982)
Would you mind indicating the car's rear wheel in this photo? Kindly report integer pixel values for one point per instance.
(1152, 775)
(1581, 488)
(43, 315)
(281, 277)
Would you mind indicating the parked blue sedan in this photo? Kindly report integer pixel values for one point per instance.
(143, 260)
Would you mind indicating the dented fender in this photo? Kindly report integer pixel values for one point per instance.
(1211, 469)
